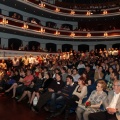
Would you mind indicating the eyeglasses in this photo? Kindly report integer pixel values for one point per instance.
(116, 85)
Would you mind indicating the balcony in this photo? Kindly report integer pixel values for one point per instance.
(93, 13)
(23, 27)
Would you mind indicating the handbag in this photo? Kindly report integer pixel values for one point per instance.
(35, 101)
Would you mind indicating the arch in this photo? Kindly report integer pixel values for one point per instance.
(100, 46)
(66, 47)
(14, 43)
(34, 44)
(15, 15)
(83, 47)
(117, 45)
(51, 47)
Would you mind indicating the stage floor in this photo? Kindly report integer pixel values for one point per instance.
(11, 110)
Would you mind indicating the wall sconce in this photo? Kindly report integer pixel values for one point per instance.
(105, 12)
(42, 30)
(57, 32)
(88, 13)
(57, 9)
(72, 34)
(72, 12)
(25, 26)
(4, 21)
(105, 34)
(42, 5)
(88, 35)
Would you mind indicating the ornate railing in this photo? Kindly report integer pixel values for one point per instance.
(72, 12)
(5, 54)
(18, 25)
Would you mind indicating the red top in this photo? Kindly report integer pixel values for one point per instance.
(28, 79)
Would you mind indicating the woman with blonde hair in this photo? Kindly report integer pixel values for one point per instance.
(95, 100)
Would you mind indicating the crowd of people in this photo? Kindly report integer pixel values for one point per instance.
(88, 83)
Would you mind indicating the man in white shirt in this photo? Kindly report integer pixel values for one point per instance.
(116, 52)
(31, 60)
(75, 75)
(112, 105)
(15, 62)
(80, 65)
(109, 52)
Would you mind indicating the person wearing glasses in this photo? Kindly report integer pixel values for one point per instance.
(112, 105)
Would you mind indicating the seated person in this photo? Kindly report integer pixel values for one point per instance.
(38, 85)
(34, 21)
(55, 86)
(62, 96)
(3, 65)
(112, 105)
(96, 99)
(10, 80)
(14, 15)
(22, 83)
(98, 73)
(78, 94)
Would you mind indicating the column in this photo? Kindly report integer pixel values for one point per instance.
(25, 18)
(91, 47)
(43, 23)
(109, 46)
(75, 47)
(59, 46)
(4, 42)
(25, 43)
(42, 45)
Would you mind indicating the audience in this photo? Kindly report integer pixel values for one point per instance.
(47, 77)
(62, 96)
(54, 87)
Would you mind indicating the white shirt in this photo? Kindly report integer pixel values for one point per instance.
(114, 101)
(31, 60)
(80, 66)
(76, 77)
(15, 62)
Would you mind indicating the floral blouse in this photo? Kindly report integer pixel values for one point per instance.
(96, 98)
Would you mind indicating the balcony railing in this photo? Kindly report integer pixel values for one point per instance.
(26, 27)
(72, 12)
(5, 54)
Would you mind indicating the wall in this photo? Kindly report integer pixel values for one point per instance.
(5, 36)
